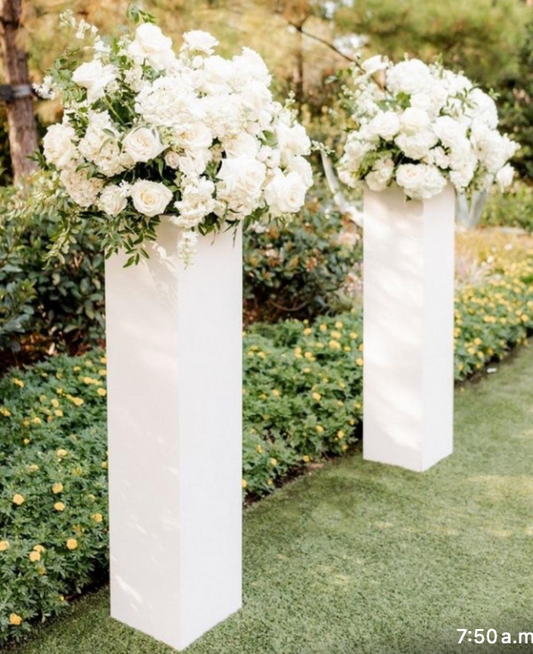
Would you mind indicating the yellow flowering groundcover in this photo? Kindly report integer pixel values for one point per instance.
(302, 401)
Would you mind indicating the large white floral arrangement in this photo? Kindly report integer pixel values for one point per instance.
(147, 132)
(422, 127)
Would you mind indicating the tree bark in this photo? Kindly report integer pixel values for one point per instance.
(23, 139)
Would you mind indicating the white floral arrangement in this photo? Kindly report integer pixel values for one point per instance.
(422, 127)
(148, 133)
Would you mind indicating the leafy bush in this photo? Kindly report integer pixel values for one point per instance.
(298, 270)
(514, 209)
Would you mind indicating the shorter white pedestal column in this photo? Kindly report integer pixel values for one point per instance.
(174, 349)
(408, 328)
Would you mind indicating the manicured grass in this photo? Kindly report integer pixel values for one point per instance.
(363, 558)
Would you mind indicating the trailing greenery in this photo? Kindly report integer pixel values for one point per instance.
(302, 402)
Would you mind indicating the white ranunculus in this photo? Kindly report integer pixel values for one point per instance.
(417, 145)
(420, 181)
(94, 77)
(411, 76)
(199, 41)
(381, 174)
(150, 198)
(385, 125)
(414, 120)
(143, 144)
(58, 145)
(243, 178)
(112, 200)
(152, 45)
(504, 177)
(285, 193)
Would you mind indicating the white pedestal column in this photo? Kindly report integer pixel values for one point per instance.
(174, 349)
(408, 328)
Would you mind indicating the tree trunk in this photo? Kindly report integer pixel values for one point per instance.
(23, 139)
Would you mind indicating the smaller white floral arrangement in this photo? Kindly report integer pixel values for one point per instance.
(147, 132)
(422, 127)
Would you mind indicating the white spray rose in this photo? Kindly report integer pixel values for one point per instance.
(94, 77)
(150, 198)
(285, 193)
(113, 200)
(58, 145)
(143, 144)
(151, 44)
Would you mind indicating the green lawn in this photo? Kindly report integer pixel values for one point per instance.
(360, 557)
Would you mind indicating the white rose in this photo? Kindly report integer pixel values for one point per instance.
(94, 77)
(113, 200)
(58, 145)
(420, 181)
(143, 144)
(303, 168)
(484, 108)
(449, 131)
(242, 145)
(250, 66)
(199, 41)
(151, 44)
(285, 193)
(150, 198)
(504, 177)
(412, 76)
(293, 140)
(243, 178)
(418, 145)
(380, 176)
(414, 120)
(195, 136)
(385, 125)
(172, 159)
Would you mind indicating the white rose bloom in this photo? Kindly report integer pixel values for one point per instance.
(271, 157)
(414, 120)
(169, 101)
(143, 144)
(58, 145)
(461, 177)
(412, 76)
(418, 145)
(385, 125)
(198, 41)
(293, 140)
(285, 193)
(303, 168)
(243, 179)
(484, 108)
(438, 157)
(504, 177)
(250, 66)
(224, 117)
(216, 76)
(150, 198)
(172, 159)
(152, 45)
(82, 189)
(381, 174)
(112, 200)
(242, 145)
(420, 181)
(94, 77)
(449, 131)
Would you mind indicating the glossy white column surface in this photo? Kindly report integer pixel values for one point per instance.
(408, 328)
(174, 351)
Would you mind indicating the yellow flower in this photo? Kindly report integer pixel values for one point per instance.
(102, 392)
(5, 412)
(35, 556)
(244, 483)
(340, 434)
(97, 517)
(306, 458)
(18, 382)
(308, 331)
(339, 324)
(72, 544)
(59, 506)
(33, 467)
(61, 452)
(270, 482)
(359, 361)
(344, 447)
(77, 401)
(39, 548)
(361, 347)
(335, 345)
(335, 334)
(4, 545)
(319, 429)
(259, 449)
(18, 499)
(76, 368)
(102, 372)
(353, 335)
(316, 396)
(57, 487)
(15, 619)
(104, 465)
(103, 360)
(323, 328)
(26, 441)
(273, 462)
(276, 393)
(37, 421)
(55, 403)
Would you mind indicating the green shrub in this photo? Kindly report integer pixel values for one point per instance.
(297, 271)
(514, 209)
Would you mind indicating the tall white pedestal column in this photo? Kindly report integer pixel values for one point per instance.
(408, 328)
(174, 350)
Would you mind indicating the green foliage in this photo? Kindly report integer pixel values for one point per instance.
(60, 303)
(297, 270)
(514, 209)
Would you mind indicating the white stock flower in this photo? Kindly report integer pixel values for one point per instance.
(285, 193)
(199, 41)
(150, 198)
(152, 45)
(113, 199)
(420, 181)
(142, 144)
(504, 177)
(196, 203)
(187, 247)
(59, 147)
(94, 77)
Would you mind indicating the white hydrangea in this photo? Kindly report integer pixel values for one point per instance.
(420, 181)
(82, 189)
